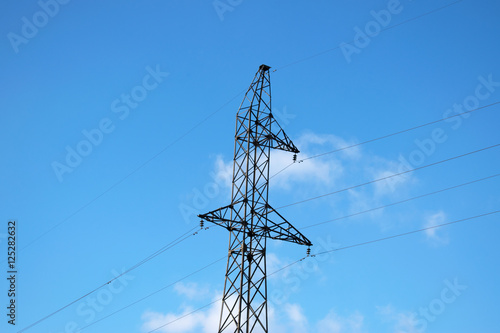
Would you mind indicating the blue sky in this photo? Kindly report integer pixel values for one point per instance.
(128, 86)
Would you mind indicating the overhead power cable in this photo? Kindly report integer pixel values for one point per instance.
(186, 315)
(408, 233)
(385, 136)
(181, 137)
(293, 263)
(390, 176)
(170, 245)
(217, 300)
(400, 202)
(153, 293)
(142, 165)
(400, 132)
(336, 250)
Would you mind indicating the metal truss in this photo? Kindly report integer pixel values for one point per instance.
(249, 218)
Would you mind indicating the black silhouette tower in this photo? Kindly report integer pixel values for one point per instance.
(249, 218)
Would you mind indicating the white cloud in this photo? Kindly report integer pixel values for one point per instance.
(296, 318)
(190, 290)
(401, 322)
(332, 172)
(184, 321)
(223, 171)
(333, 323)
(292, 319)
(273, 264)
(391, 185)
(435, 235)
(328, 170)
(328, 142)
(350, 167)
(313, 172)
(288, 318)
(154, 320)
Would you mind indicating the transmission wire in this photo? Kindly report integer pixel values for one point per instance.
(173, 243)
(400, 202)
(153, 293)
(121, 180)
(293, 263)
(383, 137)
(336, 250)
(390, 176)
(408, 233)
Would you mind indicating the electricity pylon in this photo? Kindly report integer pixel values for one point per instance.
(249, 218)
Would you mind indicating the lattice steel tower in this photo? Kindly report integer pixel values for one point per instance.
(249, 218)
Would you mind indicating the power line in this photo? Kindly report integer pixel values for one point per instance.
(368, 34)
(385, 136)
(399, 132)
(360, 244)
(391, 176)
(277, 173)
(177, 241)
(173, 243)
(181, 137)
(293, 263)
(408, 233)
(400, 202)
(196, 126)
(186, 315)
(153, 293)
(218, 300)
(336, 250)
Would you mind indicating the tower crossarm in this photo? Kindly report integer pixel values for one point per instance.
(277, 227)
(221, 217)
(267, 133)
(280, 229)
(280, 140)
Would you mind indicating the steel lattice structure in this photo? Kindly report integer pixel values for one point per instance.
(249, 218)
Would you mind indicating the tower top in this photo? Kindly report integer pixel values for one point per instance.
(264, 68)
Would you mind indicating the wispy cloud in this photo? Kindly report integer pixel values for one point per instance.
(314, 174)
(401, 322)
(435, 235)
(180, 322)
(328, 173)
(333, 323)
(191, 290)
(296, 317)
(288, 318)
